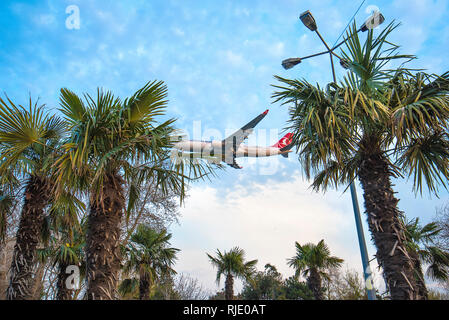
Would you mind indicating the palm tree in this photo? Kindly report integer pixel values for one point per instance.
(6, 205)
(232, 264)
(421, 247)
(312, 261)
(112, 143)
(374, 125)
(129, 289)
(64, 241)
(149, 256)
(28, 140)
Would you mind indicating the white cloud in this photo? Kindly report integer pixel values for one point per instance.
(265, 220)
(234, 58)
(241, 12)
(419, 16)
(277, 49)
(46, 19)
(178, 32)
(140, 51)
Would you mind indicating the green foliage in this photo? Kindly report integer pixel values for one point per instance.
(293, 289)
(148, 254)
(368, 63)
(347, 285)
(28, 139)
(129, 289)
(421, 240)
(311, 256)
(6, 203)
(219, 295)
(403, 112)
(111, 136)
(64, 242)
(263, 285)
(269, 285)
(165, 290)
(233, 263)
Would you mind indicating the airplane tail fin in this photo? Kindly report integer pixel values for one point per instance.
(285, 144)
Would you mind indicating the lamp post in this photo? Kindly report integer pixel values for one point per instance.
(309, 21)
(372, 22)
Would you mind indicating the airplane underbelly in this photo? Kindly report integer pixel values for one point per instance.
(215, 148)
(193, 146)
(256, 152)
(202, 147)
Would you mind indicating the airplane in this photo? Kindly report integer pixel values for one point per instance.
(231, 148)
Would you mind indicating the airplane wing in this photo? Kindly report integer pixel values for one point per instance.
(236, 139)
(231, 143)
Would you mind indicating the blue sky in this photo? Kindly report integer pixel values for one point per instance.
(218, 59)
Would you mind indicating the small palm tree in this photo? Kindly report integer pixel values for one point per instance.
(68, 250)
(28, 140)
(6, 206)
(232, 264)
(129, 289)
(423, 250)
(61, 254)
(114, 143)
(312, 261)
(374, 125)
(149, 256)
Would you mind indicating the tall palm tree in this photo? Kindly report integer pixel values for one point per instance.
(374, 125)
(422, 248)
(312, 261)
(149, 256)
(28, 140)
(113, 142)
(232, 264)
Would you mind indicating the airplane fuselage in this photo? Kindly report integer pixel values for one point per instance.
(218, 149)
(231, 148)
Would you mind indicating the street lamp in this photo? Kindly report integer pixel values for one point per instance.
(308, 20)
(290, 63)
(372, 22)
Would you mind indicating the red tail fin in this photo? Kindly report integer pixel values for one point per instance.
(285, 141)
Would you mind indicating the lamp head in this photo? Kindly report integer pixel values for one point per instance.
(290, 63)
(308, 20)
(374, 21)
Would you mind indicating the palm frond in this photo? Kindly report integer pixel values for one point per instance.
(147, 103)
(427, 159)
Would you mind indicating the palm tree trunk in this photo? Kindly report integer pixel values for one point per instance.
(229, 287)
(38, 286)
(144, 286)
(314, 284)
(6, 251)
(421, 288)
(63, 292)
(21, 281)
(103, 239)
(383, 221)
